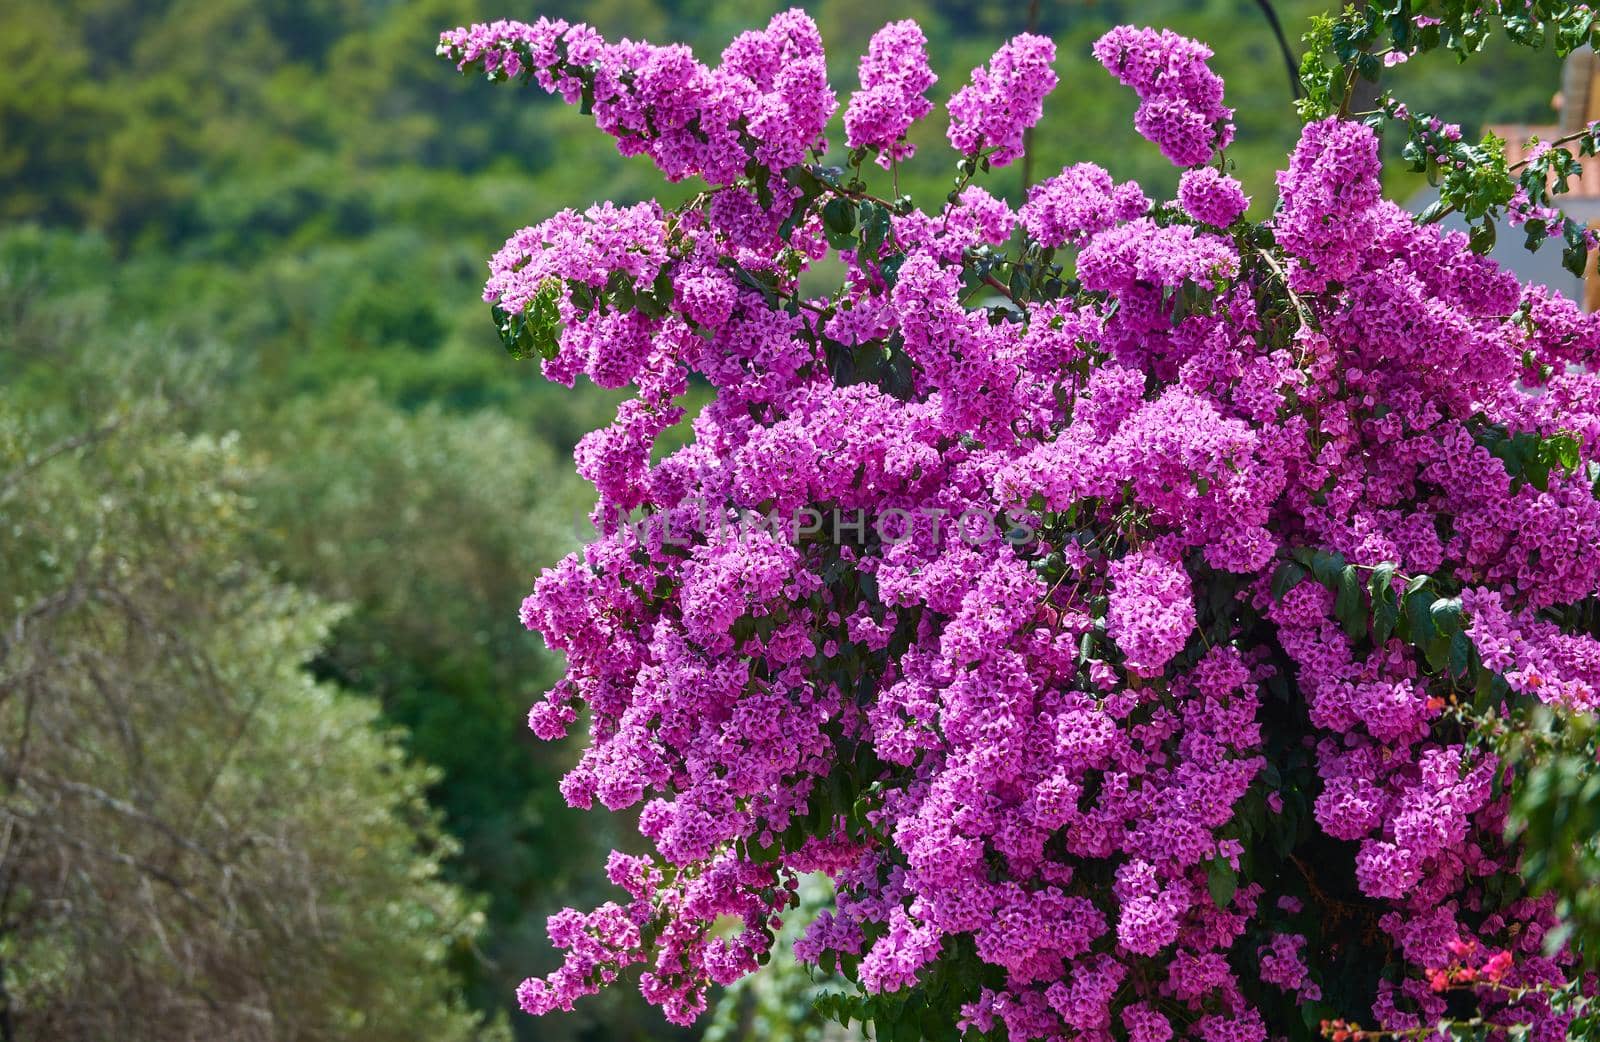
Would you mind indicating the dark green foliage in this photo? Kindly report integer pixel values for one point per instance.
(533, 331)
(1556, 814)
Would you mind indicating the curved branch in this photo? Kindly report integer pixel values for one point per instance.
(1289, 61)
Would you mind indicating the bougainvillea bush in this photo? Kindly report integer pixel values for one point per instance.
(1123, 602)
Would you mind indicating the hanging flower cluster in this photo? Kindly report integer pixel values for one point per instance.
(1096, 591)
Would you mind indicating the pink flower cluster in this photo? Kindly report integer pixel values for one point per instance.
(1004, 99)
(1330, 193)
(1211, 197)
(1180, 98)
(1108, 769)
(894, 83)
(769, 96)
(1082, 199)
(1151, 612)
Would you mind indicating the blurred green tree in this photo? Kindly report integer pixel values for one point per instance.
(200, 841)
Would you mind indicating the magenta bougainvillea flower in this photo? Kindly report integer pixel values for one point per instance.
(1086, 589)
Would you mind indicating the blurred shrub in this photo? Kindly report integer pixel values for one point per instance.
(1555, 812)
(199, 841)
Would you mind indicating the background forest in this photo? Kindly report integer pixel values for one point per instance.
(270, 491)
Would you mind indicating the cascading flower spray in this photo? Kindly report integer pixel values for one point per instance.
(1098, 592)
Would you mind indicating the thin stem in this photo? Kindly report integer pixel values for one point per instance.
(1349, 92)
(966, 179)
(1000, 287)
(854, 193)
(1299, 305)
(802, 302)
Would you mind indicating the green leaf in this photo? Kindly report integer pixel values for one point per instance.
(1385, 617)
(535, 330)
(1487, 688)
(874, 223)
(1348, 607)
(1327, 567)
(1416, 611)
(1222, 881)
(1385, 607)
(841, 241)
(1446, 616)
(1561, 450)
(1481, 238)
(1287, 577)
(1460, 655)
(1437, 653)
(1576, 255)
(839, 215)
